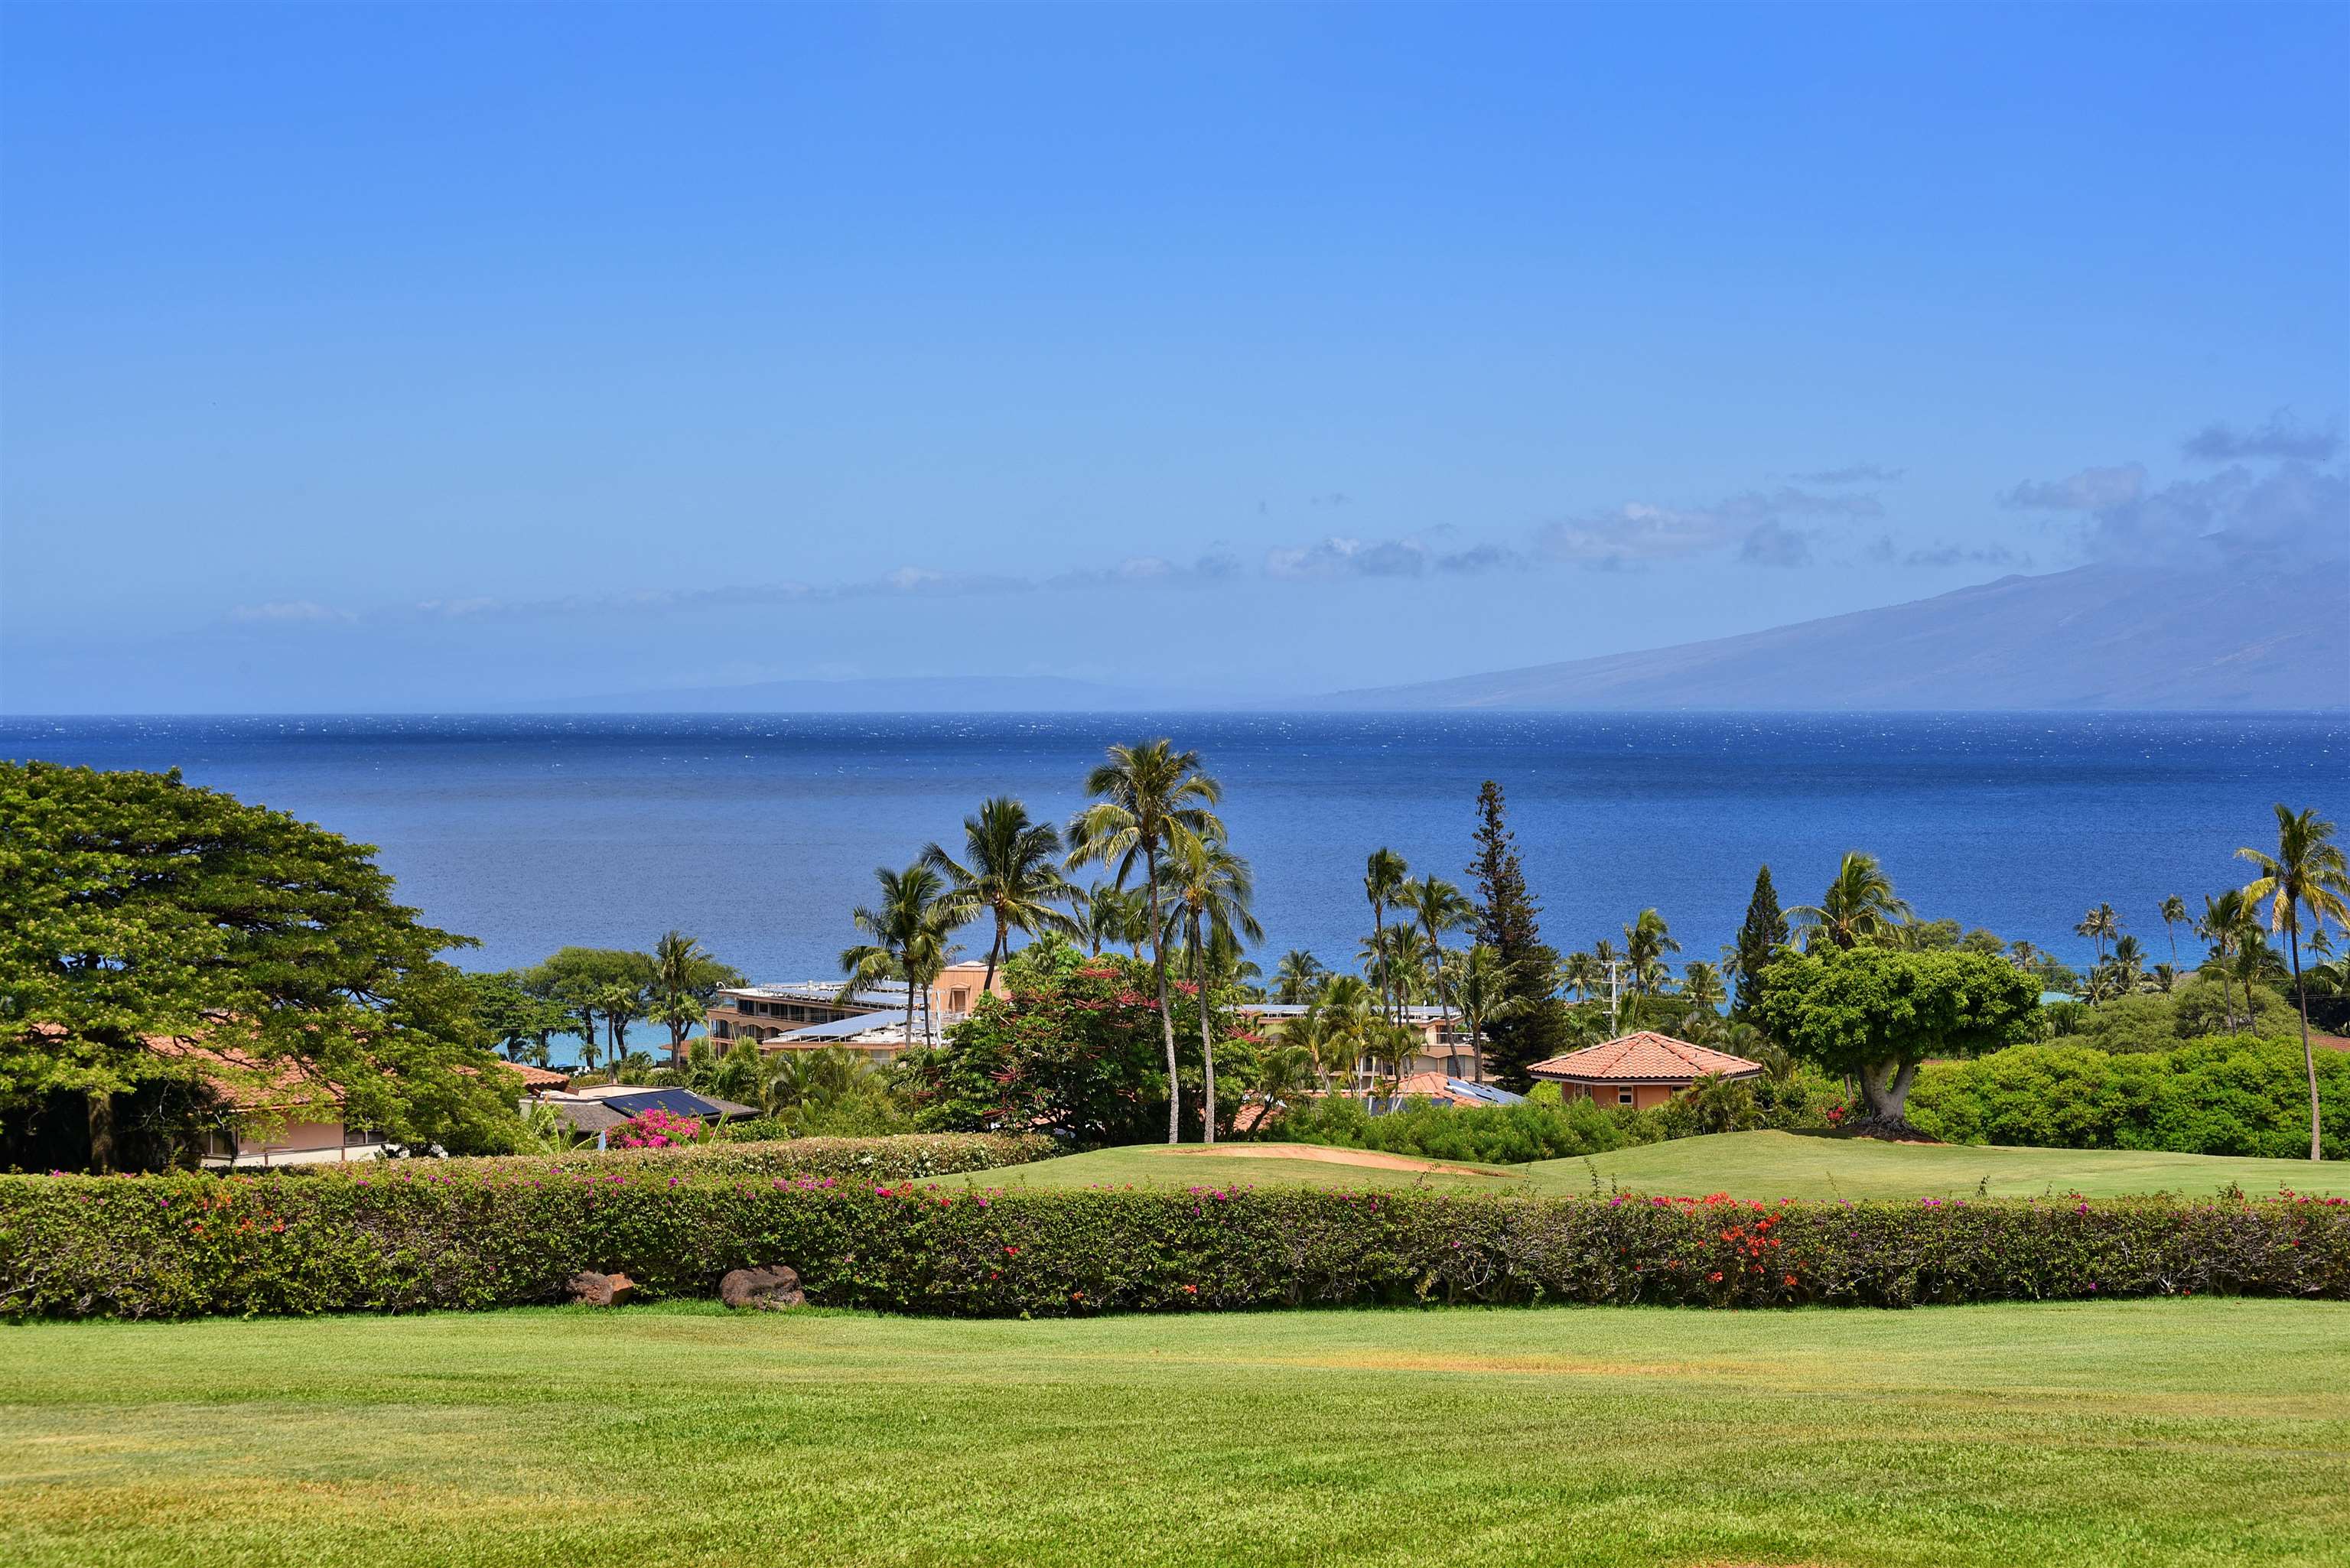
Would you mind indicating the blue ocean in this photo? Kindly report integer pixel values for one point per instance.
(758, 833)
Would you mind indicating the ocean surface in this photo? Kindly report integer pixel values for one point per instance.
(758, 834)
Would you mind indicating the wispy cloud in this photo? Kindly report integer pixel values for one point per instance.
(1859, 473)
(1884, 551)
(1754, 524)
(2280, 438)
(2086, 491)
(284, 612)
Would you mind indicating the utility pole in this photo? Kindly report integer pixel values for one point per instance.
(1614, 967)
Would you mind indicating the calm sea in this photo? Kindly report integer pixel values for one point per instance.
(757, 834)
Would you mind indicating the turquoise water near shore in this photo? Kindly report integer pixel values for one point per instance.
(758, 833)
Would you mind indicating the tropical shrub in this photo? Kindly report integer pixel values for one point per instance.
(1490, 1134)
(2159, 1021)
(2224, 1094)
(407, 1238)
(657, 1129)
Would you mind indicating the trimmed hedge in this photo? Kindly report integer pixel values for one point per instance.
(182, 1246)
(907, 1156)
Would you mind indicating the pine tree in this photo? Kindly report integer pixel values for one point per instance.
(1507, 922)
(1762, 935)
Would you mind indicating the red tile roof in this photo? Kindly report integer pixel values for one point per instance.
(246, 1081)
(1643, 1058)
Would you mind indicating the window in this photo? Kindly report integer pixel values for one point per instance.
(1623, 1096)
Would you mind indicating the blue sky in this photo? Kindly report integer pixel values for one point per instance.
(419, 358)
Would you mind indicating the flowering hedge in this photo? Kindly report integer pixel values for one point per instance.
(401, 1239)
(899, 1158)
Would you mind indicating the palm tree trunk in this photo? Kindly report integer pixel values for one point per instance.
(1207, 1045)
(1165, 1014)
(994, 956)
(2308, 1057)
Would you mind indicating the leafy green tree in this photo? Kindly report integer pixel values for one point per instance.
(1876, 1013)
(519, 1022)
(587, 982)
(1012, 877)
(1859, 905)
(1531, 1030)
(1209, 890)
(135, 907)
(1760, 937)
(1149, 798)
(2306, 875)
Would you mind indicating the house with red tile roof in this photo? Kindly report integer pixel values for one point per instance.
(1639, 1070)
(275, 1111)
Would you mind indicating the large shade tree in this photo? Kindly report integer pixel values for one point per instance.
(135, 907)
(1876, 1013)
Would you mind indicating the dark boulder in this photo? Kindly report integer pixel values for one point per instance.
(591, 1289)
(770, 1288)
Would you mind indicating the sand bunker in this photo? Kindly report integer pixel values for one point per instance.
(1337, 1157)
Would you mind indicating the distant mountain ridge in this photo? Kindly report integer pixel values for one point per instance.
(896, 694)
(2097, 637)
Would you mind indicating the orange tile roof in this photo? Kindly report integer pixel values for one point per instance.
(246, 1081)
(1643, 1058)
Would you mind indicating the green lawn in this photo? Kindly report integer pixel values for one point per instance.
(1762, 1165)
(2152, 1432)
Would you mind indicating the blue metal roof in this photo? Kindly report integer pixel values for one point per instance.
(676, 1102)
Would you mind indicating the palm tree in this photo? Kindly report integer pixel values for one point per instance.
(1581, 973)
(1209, 888)
(1314, 1032)
(1441, 906)
(1150, 798)
(1011, 876)
(1701, 986)
(1645, 942)
(1858, 907)
(1349, 1008)
(2100, 925)
(1481, 984)
(621, 1004)
(2128, 963)
(1383, 882)
(680, 966)
(906, 930)
(2229, 923)
(2308, 874)
(1296, 976)
(2174, 914)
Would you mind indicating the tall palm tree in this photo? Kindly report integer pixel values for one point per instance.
(1701, 986)
(622, 1003)
(680, 967)
(2306, 874)
(1296, 976)
(1315, 1032)
(1383, 881)
(1581, 973)
(1481, 984)
(2174, 914)
(905, 931)
(1012, 877)
(1439, 907)
(2101, 926)
(1858, 907)
(1209, 888)
(1647, 940)
(1149, 798)
(1351, 1010)
(2230, 924)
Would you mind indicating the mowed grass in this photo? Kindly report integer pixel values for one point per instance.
(1758, 1165)
(2153, 1432)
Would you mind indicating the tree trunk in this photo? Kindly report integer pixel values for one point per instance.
(101, 1131)
(1207, 1045)
(2308, 1058)
(993, 957)
(1165, 1014)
